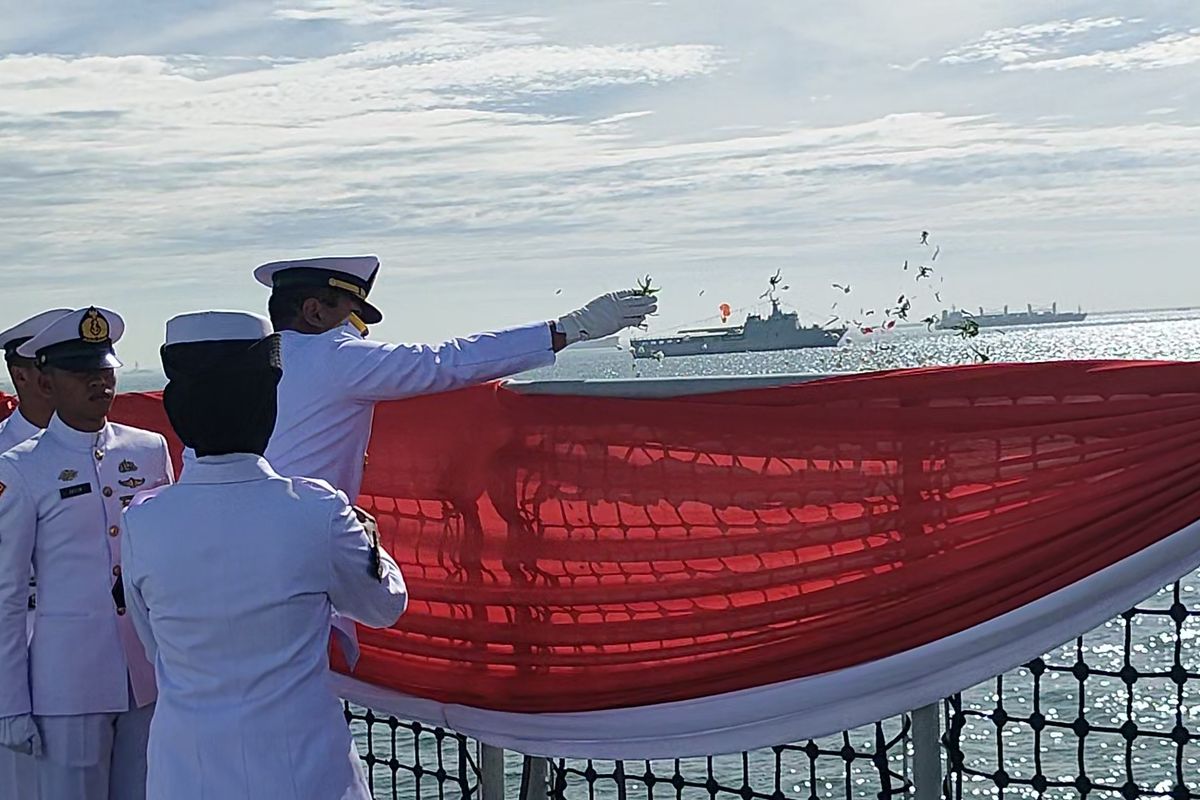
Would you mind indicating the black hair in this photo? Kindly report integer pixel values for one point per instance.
(12, 358)
(15, 360)
(220, 397)
(286, 301)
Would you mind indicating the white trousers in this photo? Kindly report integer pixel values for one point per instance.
(94, 756)
(18, 776)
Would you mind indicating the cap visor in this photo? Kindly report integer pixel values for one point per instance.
(85, 363)
(370, 314)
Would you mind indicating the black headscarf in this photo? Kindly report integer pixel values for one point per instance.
(221, 396)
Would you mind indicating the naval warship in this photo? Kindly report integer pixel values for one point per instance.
(780, 330)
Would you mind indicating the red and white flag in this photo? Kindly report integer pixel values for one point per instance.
(663, 578)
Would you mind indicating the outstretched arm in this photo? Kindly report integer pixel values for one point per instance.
(376, 371)
(373, 371)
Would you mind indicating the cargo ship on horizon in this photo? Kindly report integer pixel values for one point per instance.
(998, 319)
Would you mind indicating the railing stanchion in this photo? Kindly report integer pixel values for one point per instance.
(539, 774)
(927, 752)
(491, 772)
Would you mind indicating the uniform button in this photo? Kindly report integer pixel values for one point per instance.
(108, 491)
(117, 571)
(99, 455)
(114, 530)
(120, 611)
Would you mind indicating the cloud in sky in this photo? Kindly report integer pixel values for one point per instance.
(1020, 44)
(495, 152)
(1051, 46)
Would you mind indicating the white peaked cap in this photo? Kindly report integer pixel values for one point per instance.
(94, 326)
(352, 274)
(361, 267)
(31, 327)
(217, 326)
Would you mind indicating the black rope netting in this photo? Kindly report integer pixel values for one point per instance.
(867, 763)
(411, 760)
(1116, 714)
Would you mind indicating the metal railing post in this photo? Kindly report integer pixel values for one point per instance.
(927, 752)
(538, 770)
(491, 772)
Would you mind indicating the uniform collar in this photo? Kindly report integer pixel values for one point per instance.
(345, 329)
(232, 468)
(19, 426)
(81, 441)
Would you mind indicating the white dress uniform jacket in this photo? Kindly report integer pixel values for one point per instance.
(230, 576)
(18, 775)
(60, 510)
(16, 429)
(13, 431)
(332, 381)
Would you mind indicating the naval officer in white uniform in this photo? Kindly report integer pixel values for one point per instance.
(231, 573)
(35, 409)
(79, 695)
(18, 772)
(333, 376)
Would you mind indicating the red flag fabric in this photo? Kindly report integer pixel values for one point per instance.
(568, 555)
(658, 550)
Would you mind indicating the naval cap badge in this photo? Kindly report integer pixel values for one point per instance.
(93, 328)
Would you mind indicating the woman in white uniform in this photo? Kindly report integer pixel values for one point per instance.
(230, 576)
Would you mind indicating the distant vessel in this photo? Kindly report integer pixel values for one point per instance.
(781, 330)
(993, 319)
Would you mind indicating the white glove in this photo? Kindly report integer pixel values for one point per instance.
(20, 734)
(607, 315)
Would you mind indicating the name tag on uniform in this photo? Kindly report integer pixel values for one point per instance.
(75, 491)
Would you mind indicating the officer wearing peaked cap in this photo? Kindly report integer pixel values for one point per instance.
(18, 775)
(230, 575)
(78, 695)
(333, 376)
(35, 409)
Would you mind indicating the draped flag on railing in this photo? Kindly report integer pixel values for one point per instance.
(656, 578)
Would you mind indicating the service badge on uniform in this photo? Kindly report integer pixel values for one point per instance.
(132, 483)
(127, 466)
(68, 475)
(93, 328)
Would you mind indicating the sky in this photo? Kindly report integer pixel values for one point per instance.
(510, 159)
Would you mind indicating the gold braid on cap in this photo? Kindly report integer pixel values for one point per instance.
(357, 291)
